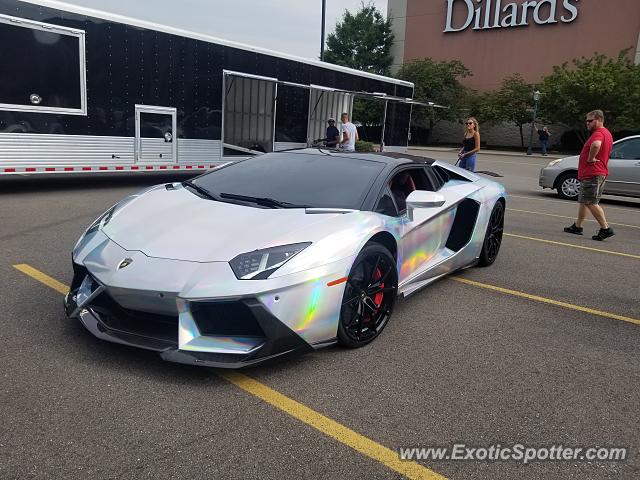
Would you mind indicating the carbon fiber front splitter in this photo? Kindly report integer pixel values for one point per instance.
(279, 339)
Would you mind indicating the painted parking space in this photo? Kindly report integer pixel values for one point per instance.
(321, 422)
(572, 245)
(335, 430)
(327, 426)
(458, 362)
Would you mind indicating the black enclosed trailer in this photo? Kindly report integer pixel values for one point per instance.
(84, 90)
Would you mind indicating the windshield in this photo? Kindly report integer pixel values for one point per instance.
(312, 180)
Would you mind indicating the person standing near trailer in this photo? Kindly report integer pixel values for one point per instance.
(333, 134)
(349, 134)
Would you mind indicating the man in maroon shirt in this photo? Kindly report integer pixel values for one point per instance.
(592, 173)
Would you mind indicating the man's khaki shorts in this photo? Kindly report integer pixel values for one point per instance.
(591, 190)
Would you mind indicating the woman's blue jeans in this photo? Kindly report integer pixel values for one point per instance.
(468, 162)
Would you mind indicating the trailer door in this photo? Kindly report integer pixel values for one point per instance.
(249, 113)
(397, 121)
(156, 139)
(395, 127)
(325, 103)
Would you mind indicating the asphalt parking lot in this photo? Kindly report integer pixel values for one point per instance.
(540, 349)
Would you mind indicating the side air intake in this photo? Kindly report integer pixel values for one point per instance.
(463, 224)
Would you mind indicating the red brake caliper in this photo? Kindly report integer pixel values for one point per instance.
(377, 299)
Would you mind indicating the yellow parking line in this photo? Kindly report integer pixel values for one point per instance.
(543, 240)
(482, 156)
(344, 435)
(43, 278)
(549, 301)
(566, 216)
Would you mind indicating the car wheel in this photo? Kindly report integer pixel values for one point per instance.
(369, 296)
(569, 186)
(493, 237)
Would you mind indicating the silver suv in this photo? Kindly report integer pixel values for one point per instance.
(624, 172)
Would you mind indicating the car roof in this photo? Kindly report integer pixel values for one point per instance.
(627, 138)
(392, 159)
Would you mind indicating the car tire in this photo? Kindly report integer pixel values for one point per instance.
(568, 186)
(493, 236)
(369, 296)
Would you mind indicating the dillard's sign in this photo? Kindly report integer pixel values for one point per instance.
(495, 15)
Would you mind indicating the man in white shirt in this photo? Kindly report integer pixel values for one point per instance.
(349, 134)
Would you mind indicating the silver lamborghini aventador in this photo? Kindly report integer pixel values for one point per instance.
(285, 252)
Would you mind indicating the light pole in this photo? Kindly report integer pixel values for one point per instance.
(324, 10)
(536, 98)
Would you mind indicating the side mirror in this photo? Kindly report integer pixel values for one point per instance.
(423, 199)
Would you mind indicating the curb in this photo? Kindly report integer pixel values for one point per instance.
(490, 152)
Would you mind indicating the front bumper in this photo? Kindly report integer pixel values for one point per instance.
(199, 313)
(548, 176)
(270, 338)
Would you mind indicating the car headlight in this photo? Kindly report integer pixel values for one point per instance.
(554, 162)
(96, 226)
(259, 264)
(101, 222)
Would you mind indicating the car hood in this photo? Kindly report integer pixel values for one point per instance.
(177, 224)
(568, 162)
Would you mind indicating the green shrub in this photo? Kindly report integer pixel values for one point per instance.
(362, 146)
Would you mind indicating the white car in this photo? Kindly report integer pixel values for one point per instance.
(624, 172)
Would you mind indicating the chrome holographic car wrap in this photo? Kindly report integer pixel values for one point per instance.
(179, 262)
(420, 248)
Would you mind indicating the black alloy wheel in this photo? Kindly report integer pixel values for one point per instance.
(493, 237)
(369, 296)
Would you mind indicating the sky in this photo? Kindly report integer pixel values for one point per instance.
(288, 26)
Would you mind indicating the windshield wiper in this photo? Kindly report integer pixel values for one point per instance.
(202, 191)
(267, 202)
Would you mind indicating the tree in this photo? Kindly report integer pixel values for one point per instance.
(512, 102)
(438, 82)
(362, 41)
(598, 82)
